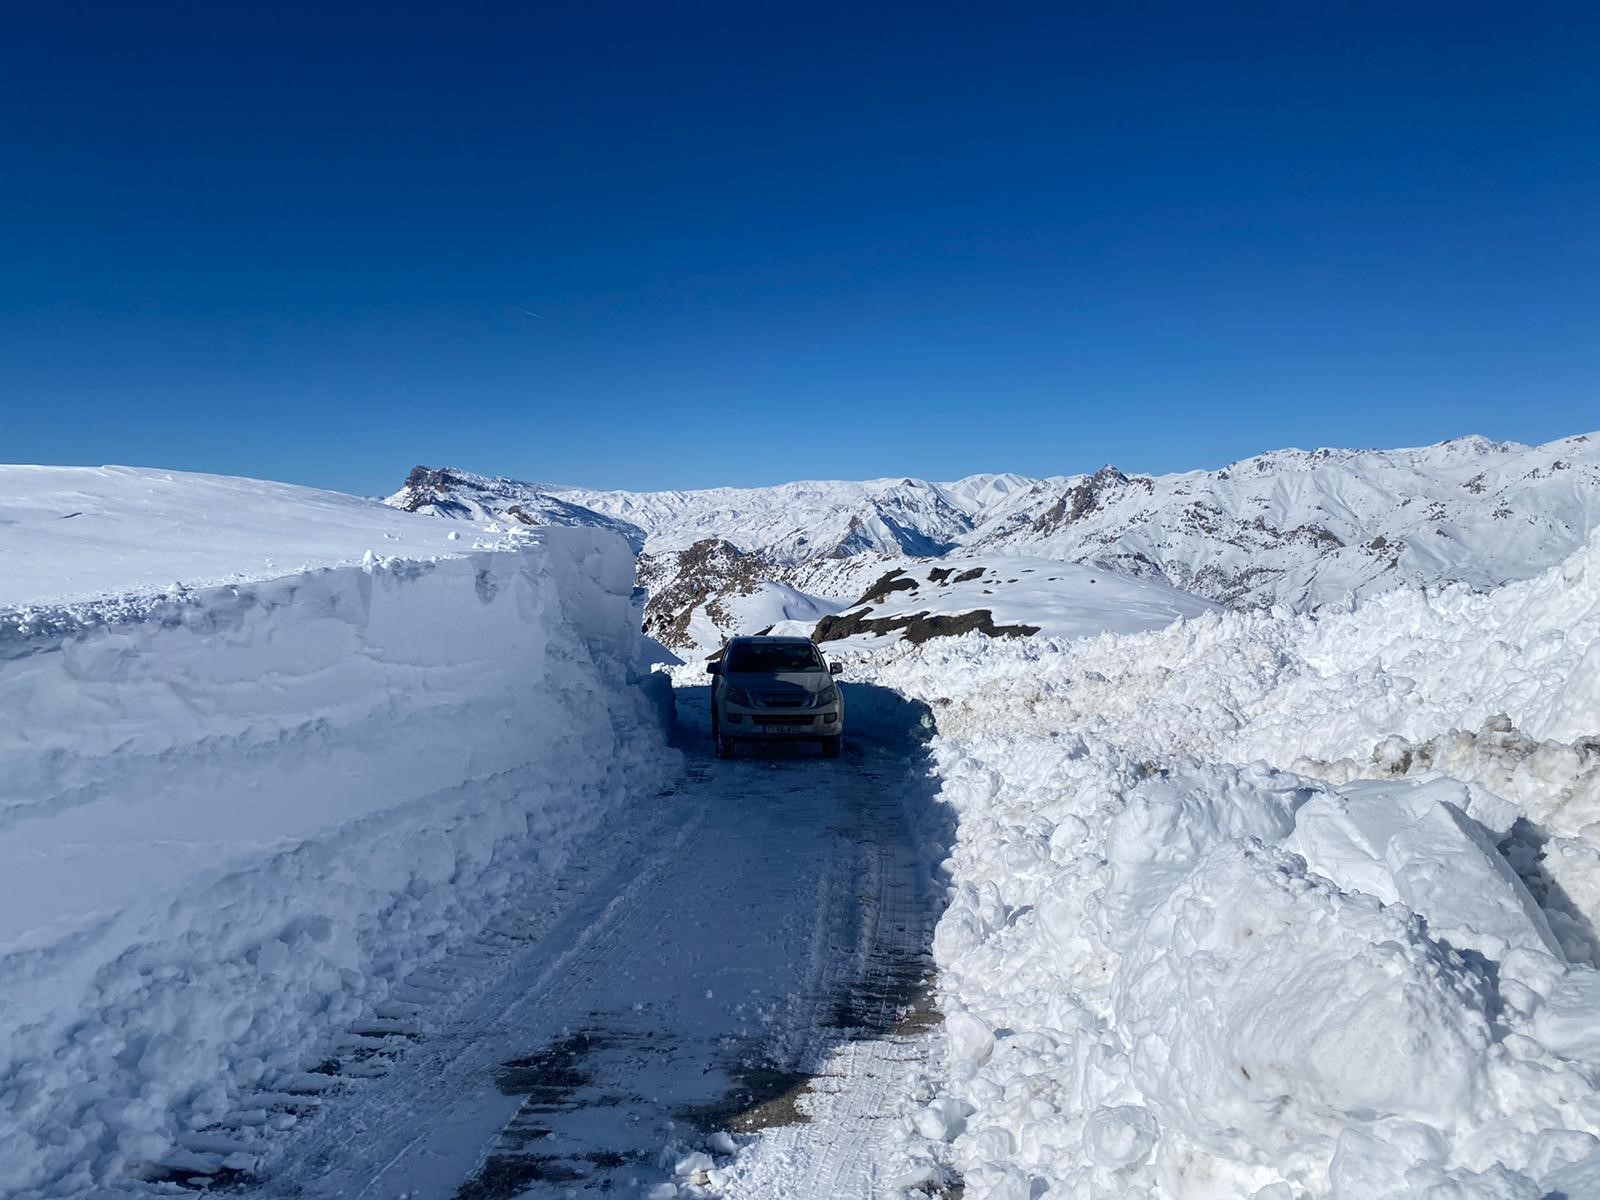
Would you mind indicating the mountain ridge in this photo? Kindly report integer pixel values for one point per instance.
(1302, 528)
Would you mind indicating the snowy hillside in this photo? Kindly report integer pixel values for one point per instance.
(269, 751)
(795, 522)
(1294, 527)
(1307, 529)
(999, 595)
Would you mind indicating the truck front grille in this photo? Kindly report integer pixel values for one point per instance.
(782, 699)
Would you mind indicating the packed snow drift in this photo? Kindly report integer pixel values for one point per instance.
(268, 751)
(1272, 905)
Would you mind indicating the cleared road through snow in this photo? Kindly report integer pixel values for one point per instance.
(691, 973)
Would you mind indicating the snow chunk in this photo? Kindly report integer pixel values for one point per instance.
(1409, 842)
(943, 1119)
(1265, 1010)
(971, 1039)
(1170, 823)
(1568, 1021)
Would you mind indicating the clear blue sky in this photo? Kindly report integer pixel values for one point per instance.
(769, 241)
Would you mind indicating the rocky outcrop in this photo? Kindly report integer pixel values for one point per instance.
(886, 585)
(1086, 497)
(917, 627)
(426, 487)
(697, 577)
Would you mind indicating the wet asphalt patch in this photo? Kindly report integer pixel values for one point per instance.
(563, 1087)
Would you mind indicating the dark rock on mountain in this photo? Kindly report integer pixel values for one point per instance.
(917, 627)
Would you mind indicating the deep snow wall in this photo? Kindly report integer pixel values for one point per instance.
(232, 824)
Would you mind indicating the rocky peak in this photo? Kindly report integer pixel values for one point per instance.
(425, 485)
(679, 582)
(1085, 498)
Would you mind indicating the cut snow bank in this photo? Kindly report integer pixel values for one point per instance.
(234, 817)
(1262, 905)
(74, 535)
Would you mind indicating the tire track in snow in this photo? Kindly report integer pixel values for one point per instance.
(355, 1147)
(760, 925)
(854, 1100)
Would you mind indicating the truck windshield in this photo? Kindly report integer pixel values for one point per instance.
(772, 657)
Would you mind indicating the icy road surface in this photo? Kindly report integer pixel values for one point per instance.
(765, 921)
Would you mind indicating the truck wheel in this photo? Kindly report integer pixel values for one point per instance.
(831, 746)
(724, 747)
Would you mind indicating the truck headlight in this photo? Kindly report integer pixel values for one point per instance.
(739, 696)
(828, 695)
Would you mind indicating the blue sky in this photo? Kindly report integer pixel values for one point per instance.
(770, 241)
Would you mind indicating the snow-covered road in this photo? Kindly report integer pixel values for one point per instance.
(689, 974)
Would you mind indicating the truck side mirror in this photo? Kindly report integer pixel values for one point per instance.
(713, 668)
(835, 668)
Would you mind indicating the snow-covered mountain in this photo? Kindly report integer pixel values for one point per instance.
(461, 495)
(1309, 528)
(1294, 527)
(798, 522)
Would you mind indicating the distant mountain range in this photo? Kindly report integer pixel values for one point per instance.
(1293, 527)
